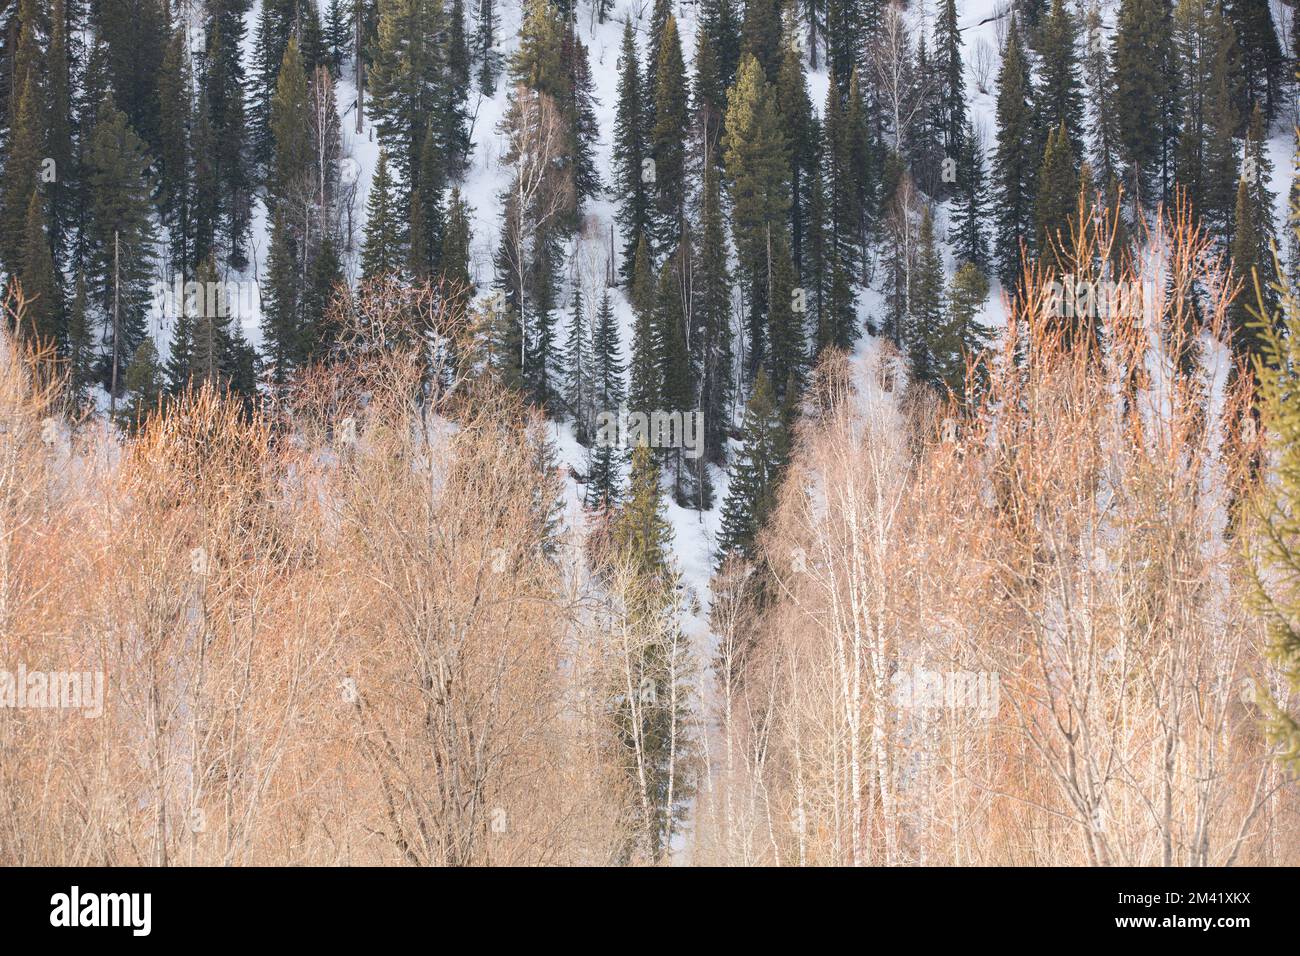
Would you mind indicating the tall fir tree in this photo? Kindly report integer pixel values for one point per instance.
(799, 124)
(1262, 63)
(668, 140)
(290, 177)
(607, 396)
(1059, 97)
(927, 306)
(757, 176)
(61, 192)
(144, 385)
(383, 248)
(282, 315)
(22, 168)
(1015, 165)
(44, 320)
(961, 333)
(1057, 200)
(643, 390)
(1141, 60)
(578, 368)
(175, 172)
(756, 474)
(967, 231)
(711, 346)
(631, 150)
(121, 243)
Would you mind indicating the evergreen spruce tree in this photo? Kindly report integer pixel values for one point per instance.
(61, 193)
(951, 89)
(785, 329)
(967, 232)
(80, 344)
(863, 160)
(961, 333)
(643, 393)
(312, 41)
(641, 533)
(676, 391)
(275, 24)
(1253, 246)
(757, 175)
(1059, 99)
(756, 474)
(578, 369)
(800, 128)
(660, 11)
(845, 39)
(282, 315)
(1262, 62)
(721, 25)
(213, 355)
(292, 149)
(607, 395)
(668, 140)
(26, 149)
(174, 162)
(324, 281)
(411, 86)
(1100, 86)
(144, 386)
(924, 144)
(584, 127)
(538, 63)
(926, 318)
(454, 256)
(708, 100)
(484, 46)
(427, 216)
(760, 35)
(178, 371)
(1015, 164)
(206, 205)
(1214, 190)
(1246, 268)
(843, 242)
(382, 250)
(458, 57)
(338, 34)
(631, 150)
(653, 720)
(1057, 201)
(1141, 60)
(120, 242)
(225, 143)
(134, 33)
(711, 350)
(44, 317)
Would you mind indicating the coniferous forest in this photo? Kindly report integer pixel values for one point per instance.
(646, 432)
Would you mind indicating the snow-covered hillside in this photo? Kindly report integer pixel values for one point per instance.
(486, 178)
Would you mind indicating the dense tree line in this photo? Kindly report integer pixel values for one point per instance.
(751, 228)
